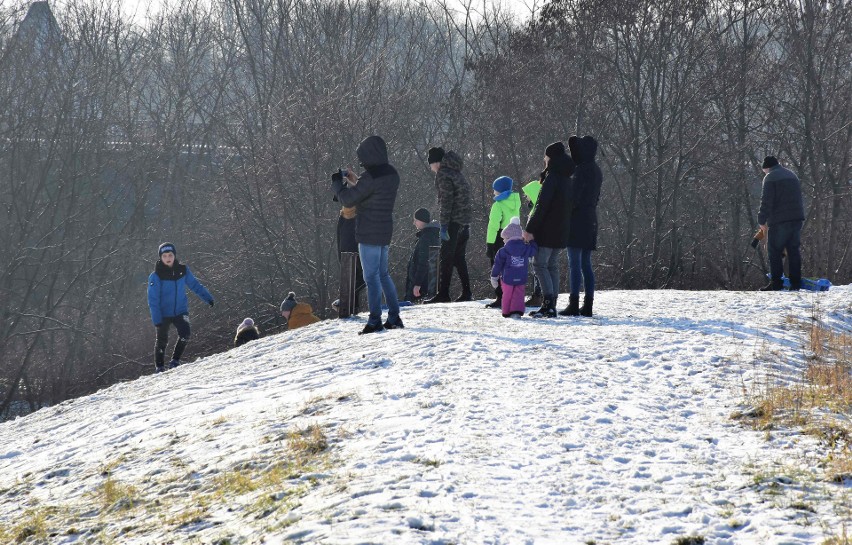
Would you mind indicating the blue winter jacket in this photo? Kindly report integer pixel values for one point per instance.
(167, 291)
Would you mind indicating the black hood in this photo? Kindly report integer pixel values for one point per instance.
(372, 152)
(561, 164)
(583, 149)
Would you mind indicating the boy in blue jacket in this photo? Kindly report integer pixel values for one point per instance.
(167, 301)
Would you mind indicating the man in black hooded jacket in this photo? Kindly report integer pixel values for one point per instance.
(374, 193)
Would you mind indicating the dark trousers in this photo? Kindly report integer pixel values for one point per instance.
(580, 266)
(181, 323)
(786, 235)
(453, 256)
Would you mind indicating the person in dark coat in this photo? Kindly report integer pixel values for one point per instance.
(421, 278)
(346, 242)
(374, 193)
(550, 223)
(781, 217)
(246, 332)
(168, 304)
(583, 235)
(455, 216)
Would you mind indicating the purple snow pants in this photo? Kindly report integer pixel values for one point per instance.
(513, 298)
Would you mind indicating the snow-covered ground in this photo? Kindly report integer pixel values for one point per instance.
(464, 428)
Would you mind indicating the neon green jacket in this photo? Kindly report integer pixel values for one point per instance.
(501, 213)
(531, 190)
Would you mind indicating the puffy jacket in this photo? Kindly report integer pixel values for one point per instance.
(421, 271)
(453, 191)
(585, 193)
(503, 210)
(551, 221)
(781, 197)
(512, 261)
(300, 316)
(167, 291)
(374, 194)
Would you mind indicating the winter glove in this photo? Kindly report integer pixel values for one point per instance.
(491, 250)
(445, 233)
(337, 184)
(210, 303)
(495, 282)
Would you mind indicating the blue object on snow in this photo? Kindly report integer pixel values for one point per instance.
(810, 284)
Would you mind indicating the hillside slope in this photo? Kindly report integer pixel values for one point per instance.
(463, 428)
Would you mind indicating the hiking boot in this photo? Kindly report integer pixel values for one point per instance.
(547, 310)
(370, 328)
(573, 308)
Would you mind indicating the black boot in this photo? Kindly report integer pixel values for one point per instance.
(547, 310)
(369, 328)
(586, 309)
(464, 297)
(440, 298)
(497, 303)
(573, 308)
(533, 300)
(773, 285)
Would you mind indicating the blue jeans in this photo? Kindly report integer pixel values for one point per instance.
(374, 261)
(580, 265)
(546, 265)
(786, 235)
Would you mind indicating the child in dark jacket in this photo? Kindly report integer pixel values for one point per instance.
(168, 304)
(246, 332)
(511, 265)
(422, 277)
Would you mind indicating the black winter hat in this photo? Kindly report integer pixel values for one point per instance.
(436, 155)
(421, 214)
(769, 161)
(289, 303)
(166, 247)
(554, 150)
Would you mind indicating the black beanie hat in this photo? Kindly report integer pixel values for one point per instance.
(166, 247)
(769, 161)
(421, 214)
(289, 303)
(436, 155)
(555, 150)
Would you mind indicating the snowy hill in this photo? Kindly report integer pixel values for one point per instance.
(464, 428)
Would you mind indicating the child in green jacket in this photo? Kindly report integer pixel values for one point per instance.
(507, 205)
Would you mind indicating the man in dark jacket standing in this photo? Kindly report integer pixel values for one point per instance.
(421, 275)
(374, 193)
(781, 216)
(455, 215)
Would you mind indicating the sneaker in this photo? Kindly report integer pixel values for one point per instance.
(160, 369)
(437, 299)
(394, 325)
(369, 328)
(173, 364)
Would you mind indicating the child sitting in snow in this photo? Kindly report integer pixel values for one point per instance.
(510, 268)
(297, 314)
(246, 332)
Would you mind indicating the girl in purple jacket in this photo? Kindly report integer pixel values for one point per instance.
(510, 268)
